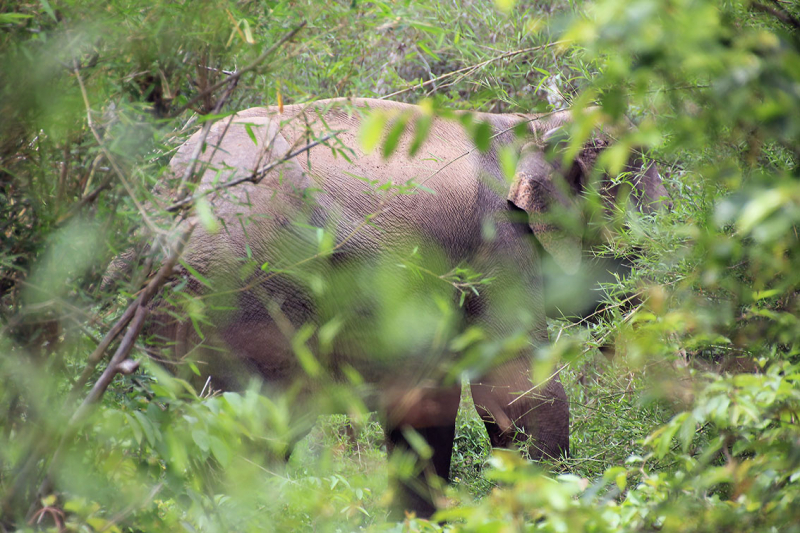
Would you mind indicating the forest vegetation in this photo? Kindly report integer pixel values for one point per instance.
(692, 423)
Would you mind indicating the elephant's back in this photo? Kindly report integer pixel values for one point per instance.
(439, 193)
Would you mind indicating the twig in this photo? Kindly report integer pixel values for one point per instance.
(238, 74)
(201, 142)
(105, 151)
(114, 366)
(477, 66)
(254, 177)
(778, 12)
(89, 198)
(127, 316)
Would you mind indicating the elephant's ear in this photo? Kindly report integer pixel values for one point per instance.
(542, 191)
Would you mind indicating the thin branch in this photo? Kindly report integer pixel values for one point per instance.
(471, 68)
(107, 154)
(89, 198)
(254, 177)
(778, 12)
(115, 365)
(238, 74)
(143, 298)
(201, 142)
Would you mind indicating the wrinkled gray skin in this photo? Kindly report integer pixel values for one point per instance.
(471, 219)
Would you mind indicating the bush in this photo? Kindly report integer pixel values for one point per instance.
(692, 425)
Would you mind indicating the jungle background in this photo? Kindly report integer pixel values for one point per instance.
(692, 425)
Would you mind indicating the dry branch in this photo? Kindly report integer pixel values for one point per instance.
(468, 70)
(238, 74)
(778, 12)
(254, 177)
(189, 172)
(138, 311)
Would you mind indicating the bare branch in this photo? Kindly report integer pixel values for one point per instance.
(107, 154)
(115, 366)
(127, 316)
(472, 68)
(779, 13)
(238, 74)
(188, 173)
(255, 177)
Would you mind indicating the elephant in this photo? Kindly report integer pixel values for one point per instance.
(306, 253)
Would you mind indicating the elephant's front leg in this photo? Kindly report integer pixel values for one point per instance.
(420, 427)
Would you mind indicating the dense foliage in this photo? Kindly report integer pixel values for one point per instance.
(692, 425)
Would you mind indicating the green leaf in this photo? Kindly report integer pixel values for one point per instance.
(135, 427)
(687, 432)
(418, 443)
(621, 480)
(429, 28)
(618, 475)
(250, 133)
(220, 450)
(328, 332)
(248, 33)
(206, 215)
(48, 9)
(307, 359)
(505, 5)
(508, 157)
(326, 242)
(98, 523)
(613, 102)
(201, 439)
(371, 130)
(199, 277)
(422, 128)
(147, 426)
(665, 439)
(482, 136)
(764, 204)
(214, 117)
(615, 157)
(13, 18)
(393, 137)
(427, 51)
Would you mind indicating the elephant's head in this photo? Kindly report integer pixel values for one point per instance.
(548, 192)
(547, 195)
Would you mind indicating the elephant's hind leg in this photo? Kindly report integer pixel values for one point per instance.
(518, 413)
(429, 413)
